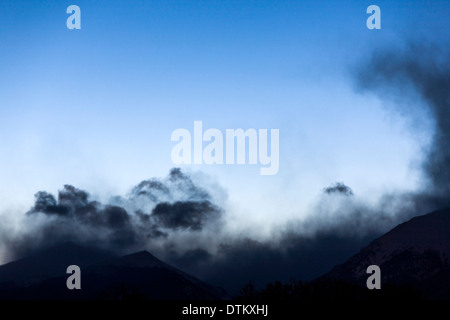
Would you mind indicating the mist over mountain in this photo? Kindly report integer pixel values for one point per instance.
(413, 261)
(184, 221)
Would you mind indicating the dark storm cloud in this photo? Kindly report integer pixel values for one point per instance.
(176, 185)
(417, 71)
(46, 203)
(170, 204)
(72, 197)
(152, 189)
(185, 215)
(339, 188)
(73, 205)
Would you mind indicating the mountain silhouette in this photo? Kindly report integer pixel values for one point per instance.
(51, 262)
(137, 276)
(414, 254)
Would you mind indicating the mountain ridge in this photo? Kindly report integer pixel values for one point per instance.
(136, 276)
(415, 253)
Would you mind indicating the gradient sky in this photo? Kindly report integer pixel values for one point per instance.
(96, 107)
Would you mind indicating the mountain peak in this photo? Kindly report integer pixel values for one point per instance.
(143, 259)
(138, 275)
(143, 254)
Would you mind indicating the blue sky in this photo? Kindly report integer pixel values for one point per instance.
(96, 107)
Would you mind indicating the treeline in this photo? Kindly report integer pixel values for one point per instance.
(326, 290)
